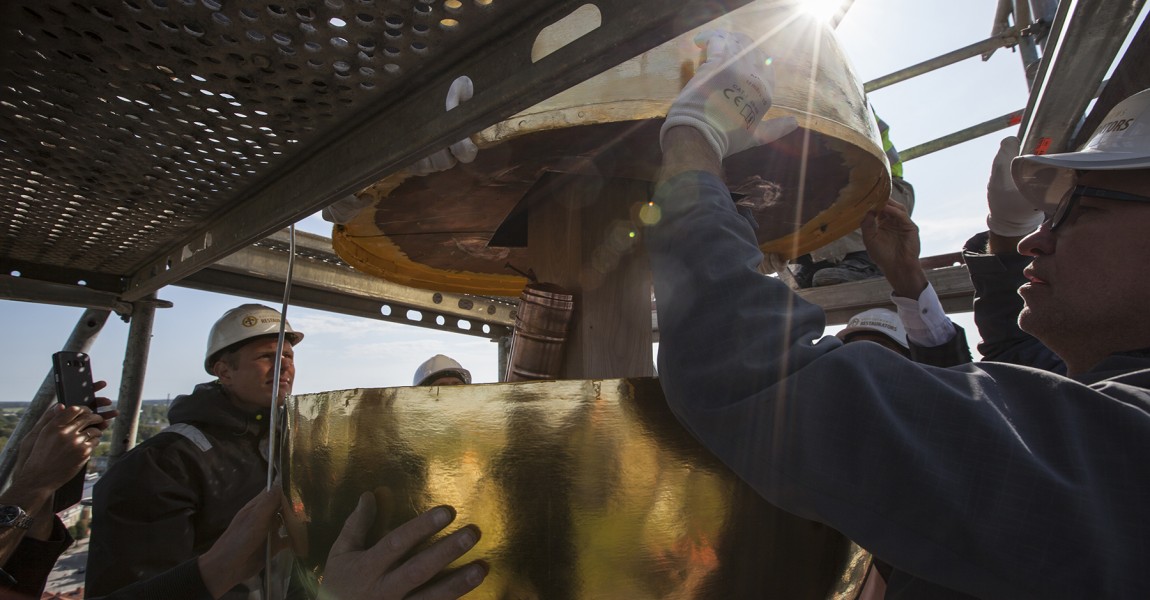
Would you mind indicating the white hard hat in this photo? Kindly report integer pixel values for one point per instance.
(880, 320)
(1121, 142)
(438, 366)
(243, 323)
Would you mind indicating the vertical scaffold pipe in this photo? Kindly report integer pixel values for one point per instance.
(83, 335)
(125, 427)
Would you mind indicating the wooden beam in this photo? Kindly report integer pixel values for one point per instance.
(842, 301)
(581, 237)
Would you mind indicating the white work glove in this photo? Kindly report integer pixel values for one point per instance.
(728, 96)
(464, 150)
(1011, 215)
(341, 212)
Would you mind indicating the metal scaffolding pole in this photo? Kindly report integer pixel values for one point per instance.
(972, 132)
(1032, 19)
(1044, 10)
(503, 354)
(83, 335)
(124, 428)
(1002, 13)
(1007, 38)
(1084, 40)
(1028, 42)
(840, 12)
(965, 135)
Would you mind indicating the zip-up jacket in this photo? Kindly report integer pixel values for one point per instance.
(988, 479)
(167, 500)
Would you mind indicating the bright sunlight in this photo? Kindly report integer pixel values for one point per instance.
(821, 9)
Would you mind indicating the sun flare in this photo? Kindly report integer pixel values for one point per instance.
(821, 9)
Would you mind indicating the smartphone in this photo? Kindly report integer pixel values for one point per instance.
(73, 374)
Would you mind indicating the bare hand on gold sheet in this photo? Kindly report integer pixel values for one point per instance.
(389, 570)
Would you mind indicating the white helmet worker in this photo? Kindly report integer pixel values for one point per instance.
(440, 366)
(243, 323)
(876, 320)
(1121, 142)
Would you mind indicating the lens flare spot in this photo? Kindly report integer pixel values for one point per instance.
(650, 214)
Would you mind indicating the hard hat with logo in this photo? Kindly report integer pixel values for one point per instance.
(243, 323)
(440, 366)
(878, 320)
(1121, 142)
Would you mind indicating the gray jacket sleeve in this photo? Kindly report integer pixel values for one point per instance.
(994, 480)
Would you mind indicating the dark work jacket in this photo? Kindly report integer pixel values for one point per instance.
(987, 479)
(31, 563)
(952, 353)
(182, 582)
(167, 500)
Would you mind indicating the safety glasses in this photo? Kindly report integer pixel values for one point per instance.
(1070, 200)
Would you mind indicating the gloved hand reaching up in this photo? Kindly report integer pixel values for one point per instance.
(343, 211)
(464, 150)
(728, 96)
(1011, 215)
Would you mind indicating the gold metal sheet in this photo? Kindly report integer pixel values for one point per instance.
(583, 489)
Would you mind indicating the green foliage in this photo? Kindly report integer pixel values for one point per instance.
(153, 418)
(83, 524)
(79, 531)
(8, 420)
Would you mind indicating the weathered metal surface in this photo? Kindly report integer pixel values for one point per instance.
(1129, 77)
(1083, 42)
(322, 281)
(436, 231)
(582, 489)
(147, 139)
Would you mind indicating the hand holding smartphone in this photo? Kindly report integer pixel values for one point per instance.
(73, 374)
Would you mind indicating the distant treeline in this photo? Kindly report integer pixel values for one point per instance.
(153, 418)
(6, 406)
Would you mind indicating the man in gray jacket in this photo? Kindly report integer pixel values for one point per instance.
(985, 480)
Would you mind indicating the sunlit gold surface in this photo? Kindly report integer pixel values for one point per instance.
(583, 489)
(432, 232)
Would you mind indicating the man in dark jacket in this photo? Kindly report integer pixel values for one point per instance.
(169, 498)
(995, 266)
(986, 480)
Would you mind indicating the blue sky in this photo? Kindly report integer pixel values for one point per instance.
(340, 352)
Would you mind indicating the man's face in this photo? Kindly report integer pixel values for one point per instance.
(447, 379)
(249, 381)
(1087, 286)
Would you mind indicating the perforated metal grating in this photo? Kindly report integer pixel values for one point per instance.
(125, 123)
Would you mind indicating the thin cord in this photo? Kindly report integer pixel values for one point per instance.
(272, 425)
(273, 417)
